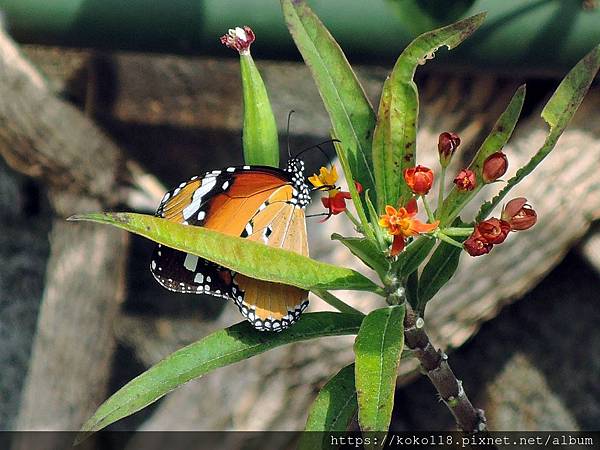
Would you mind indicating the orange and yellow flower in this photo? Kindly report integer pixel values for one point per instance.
(335, 202)
(401, 223)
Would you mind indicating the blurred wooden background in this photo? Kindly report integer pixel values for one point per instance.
(80, 314)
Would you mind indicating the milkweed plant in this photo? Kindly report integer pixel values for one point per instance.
(413, 245)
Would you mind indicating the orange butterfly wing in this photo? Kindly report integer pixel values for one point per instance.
(257, 203)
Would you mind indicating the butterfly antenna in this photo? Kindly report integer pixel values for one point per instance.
(318, 147)
(288, 133)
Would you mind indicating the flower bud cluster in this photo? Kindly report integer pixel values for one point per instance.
(517, 215)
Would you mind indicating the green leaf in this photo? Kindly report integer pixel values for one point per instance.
(413, 255)
(394, 139)
(356, 200)
(218, 349)
(374, 222)
(332, 410)
(494, 142)
(436, 273)
(378, 347)
(365, 250)
(558, 112)
(349, 109)
(561, 107)
(259, 137)
(249, 258)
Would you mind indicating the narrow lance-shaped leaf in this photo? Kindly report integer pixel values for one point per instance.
(356, 200)
(413, 255)
(349, 109)
(438, 270)
(394, 140)
(216, 350)
(374, 217)
(378, 348)
(494, 142)
(557, 113)
(259, 136)
(249, 258)
(332, 410)
(366, 251)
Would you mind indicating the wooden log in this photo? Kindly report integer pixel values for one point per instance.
(45, 137)
(72, 355)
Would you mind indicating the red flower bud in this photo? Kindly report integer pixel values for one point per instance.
(358, 187)
(494, 167)
(493, 230)
(419, 179)
(519, 215)
(447, 145)
(477, 245)
(465, 180)
(239, 39)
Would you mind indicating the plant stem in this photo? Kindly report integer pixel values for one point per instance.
(428, 209)
(354, 220)
(336, 302)
(442, 182)
(435, 365)
(443, 237)
(457, 231)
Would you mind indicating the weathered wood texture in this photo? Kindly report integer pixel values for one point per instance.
(44, 136)
(72, 355)
(47, 138)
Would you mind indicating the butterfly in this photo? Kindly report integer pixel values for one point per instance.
(259, 203)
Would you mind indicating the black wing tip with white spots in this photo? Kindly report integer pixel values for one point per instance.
(189, 274)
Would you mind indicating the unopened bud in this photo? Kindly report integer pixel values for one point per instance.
(447, 145)
(494, 167)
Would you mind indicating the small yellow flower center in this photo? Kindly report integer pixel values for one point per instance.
(399, 223)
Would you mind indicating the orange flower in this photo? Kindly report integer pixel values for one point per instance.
(419, 179)
(401, 223)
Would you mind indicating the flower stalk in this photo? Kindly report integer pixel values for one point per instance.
(428, 209)
(441, 193)
(444, 237)
(259, 136)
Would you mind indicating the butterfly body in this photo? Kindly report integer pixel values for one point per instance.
(259, 203)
